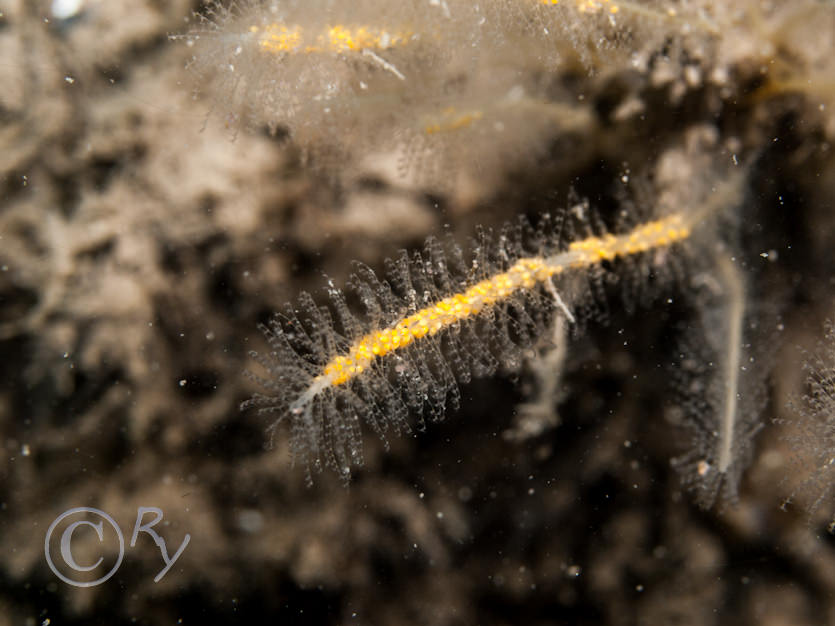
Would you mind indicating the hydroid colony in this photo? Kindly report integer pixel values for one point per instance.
(426, 80)
(437, 320)
(419, 79)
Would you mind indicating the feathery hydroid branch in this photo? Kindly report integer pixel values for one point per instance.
(524, 274)
(435, 324)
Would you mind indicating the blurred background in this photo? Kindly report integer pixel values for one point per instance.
(148, 224)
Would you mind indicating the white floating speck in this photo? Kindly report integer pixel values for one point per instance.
(66, 9)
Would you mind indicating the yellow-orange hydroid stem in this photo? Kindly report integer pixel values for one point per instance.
(526, 273)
